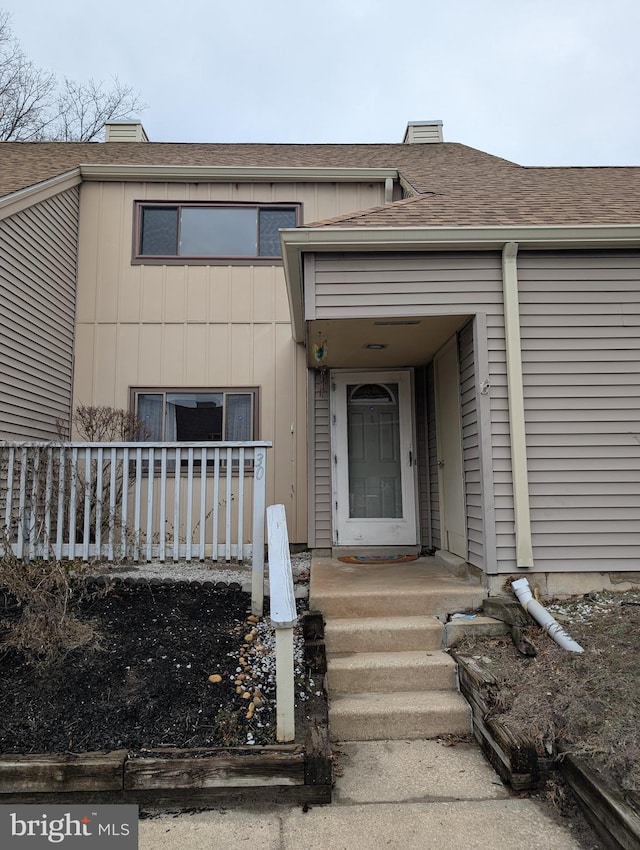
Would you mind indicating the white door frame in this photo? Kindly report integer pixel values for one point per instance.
(451, 489)
(402, 531)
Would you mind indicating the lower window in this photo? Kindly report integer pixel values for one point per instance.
(196, 416)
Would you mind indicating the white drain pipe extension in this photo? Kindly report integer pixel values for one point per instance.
(542, 616)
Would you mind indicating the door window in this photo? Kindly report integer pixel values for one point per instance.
(375, 479)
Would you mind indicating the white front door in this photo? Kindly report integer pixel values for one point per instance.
(453, 522)
(373, 459)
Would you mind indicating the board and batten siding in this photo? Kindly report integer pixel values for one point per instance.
(580, 328)
(222, 325)
(38, 257)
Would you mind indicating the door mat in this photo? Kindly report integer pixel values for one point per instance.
(377, 559)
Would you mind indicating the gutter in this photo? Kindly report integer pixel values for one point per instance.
(296, 242)
(235, 174)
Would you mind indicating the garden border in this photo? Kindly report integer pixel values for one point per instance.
(300, 772)
(515, 759)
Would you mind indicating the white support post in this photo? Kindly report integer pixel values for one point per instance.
(257, 536)
(285, 696)
(99, 496)
(150, 491)
(137, 507)
(203, 502)
(283, 618)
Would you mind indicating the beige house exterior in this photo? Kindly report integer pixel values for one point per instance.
(443, 347)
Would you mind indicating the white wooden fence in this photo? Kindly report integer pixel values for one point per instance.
(134, 501)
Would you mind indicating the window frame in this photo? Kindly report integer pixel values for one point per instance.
(134, 392)
(138, 258)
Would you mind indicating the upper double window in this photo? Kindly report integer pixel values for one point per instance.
(201, 231)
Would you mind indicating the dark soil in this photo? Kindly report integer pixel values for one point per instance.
(147, 683)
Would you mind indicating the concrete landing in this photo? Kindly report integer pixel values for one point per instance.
(421, 587)
(389, 794)
(414, 771)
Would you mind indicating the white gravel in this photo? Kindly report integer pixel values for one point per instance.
(260, 654)
(210, 571)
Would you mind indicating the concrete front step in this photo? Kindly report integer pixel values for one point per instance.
(386, 672)
(398, 716)
(383, 634)
(397, 601)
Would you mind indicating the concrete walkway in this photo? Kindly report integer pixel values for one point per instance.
(390, 794)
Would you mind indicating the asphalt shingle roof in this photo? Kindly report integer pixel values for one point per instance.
(457, 185)
(526, 196)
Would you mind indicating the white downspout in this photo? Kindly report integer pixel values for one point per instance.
(542, 616)
(524, 546)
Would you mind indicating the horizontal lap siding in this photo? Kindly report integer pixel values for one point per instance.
(471, 447)
(434, 284)
(434, 489)
(357, 286)
(38, 257)
(322, 463)
(580, 328)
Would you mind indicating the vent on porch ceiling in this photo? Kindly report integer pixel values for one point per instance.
(124, 131)
(423, 132)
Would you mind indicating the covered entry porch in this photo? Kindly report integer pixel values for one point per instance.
(377, 299)
(387, 466)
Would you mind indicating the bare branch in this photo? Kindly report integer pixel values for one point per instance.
(84, 108)
(33, 107)
(26, 92)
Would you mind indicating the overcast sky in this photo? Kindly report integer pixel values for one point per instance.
(539, 82)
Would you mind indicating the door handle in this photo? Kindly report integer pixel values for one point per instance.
(410, 458)
(440, 463)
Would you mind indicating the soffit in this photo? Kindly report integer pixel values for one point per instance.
(408, 341)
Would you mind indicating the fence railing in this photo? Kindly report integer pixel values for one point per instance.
(134, 501)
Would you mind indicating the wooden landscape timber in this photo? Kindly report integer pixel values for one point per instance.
(615, 816)
(300, 772)
(512, 755)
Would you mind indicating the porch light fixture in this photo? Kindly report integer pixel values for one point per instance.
(375, 346)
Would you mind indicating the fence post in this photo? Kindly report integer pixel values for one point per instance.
(283, 619)
(257, 536)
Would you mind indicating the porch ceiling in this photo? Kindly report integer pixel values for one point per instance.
(408, 341)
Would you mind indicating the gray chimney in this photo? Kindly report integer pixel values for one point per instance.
(423, 132)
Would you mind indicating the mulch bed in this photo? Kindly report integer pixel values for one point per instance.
(147, 683)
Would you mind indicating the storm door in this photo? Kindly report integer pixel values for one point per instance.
(373, 459)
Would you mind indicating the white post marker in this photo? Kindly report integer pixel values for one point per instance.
(257, 539)
(283, 619)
